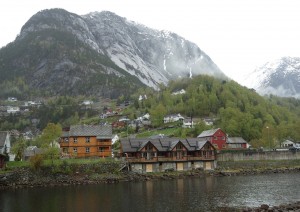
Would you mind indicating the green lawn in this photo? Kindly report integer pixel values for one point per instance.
(48, 162)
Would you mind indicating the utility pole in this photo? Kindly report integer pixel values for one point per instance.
(269, 137)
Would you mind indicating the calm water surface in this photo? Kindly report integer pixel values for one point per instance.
(192, 194)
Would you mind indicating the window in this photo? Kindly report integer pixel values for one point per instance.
(75, 139)
(66, 139)
(87, 139)
(101, 149)
(223, 137)
(215, 138)
(65, 150)
(87, 149)
(75, 149)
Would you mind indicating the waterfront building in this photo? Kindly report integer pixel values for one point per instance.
(163, 154)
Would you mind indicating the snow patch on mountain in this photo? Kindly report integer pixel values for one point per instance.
(280, 77)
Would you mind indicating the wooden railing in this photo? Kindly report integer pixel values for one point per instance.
(165, 159)
(104, 143)
(87, 155)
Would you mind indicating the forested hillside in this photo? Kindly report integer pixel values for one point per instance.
(239, 110)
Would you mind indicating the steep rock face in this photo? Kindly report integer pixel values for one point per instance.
(64, 52)
(154, 56)
(280, 77)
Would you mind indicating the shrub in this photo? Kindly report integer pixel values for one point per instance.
(36, 162)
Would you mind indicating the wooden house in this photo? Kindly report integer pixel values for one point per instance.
(162, 154)
(236, 143)
(216, 137)
(87, 141)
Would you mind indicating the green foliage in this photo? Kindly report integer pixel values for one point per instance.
(36, 162)
(48, 139)
(18, 148)
(157, 115)
(239, 110)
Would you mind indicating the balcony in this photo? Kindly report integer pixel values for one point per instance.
(90, 154)
(166, 159)
(104, 143)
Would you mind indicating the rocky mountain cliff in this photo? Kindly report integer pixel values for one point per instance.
(98, 53)
(280, 77)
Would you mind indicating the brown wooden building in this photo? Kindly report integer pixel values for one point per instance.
(161, 154)
(87, 141)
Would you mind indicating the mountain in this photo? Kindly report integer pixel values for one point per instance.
(280, 77)
(99, 53)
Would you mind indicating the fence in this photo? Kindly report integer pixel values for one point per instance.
(251, 155)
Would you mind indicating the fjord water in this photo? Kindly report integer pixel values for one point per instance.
(190, 194)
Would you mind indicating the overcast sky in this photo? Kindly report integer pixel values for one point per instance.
(239, 35)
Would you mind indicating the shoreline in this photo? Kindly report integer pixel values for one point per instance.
(27, 178)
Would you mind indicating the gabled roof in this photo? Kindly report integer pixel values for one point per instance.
(196, 143)
(102, 132)
(236, 140)
(3, 136)
(31, 152)
(132, 145)
(288, 142)
(208, 133)
(163, 144)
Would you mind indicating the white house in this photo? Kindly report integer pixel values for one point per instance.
(287, 144)
(12, 99)
(173, 118)
(182, 91)
(188, 123)
(11, 109)
(124, 119)
(142, 97)
(5, 143)
(208, 121)
(87, 102)
(144, 117)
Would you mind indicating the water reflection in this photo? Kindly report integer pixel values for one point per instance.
(193, 194)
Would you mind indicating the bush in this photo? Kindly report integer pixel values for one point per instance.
(36, 162)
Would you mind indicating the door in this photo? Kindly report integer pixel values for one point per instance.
(208, 165)
(179, 166)
(149, 167)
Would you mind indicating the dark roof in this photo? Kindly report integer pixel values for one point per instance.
(3, 135)
(162, 144)
(236, 140)
(32, 152)
(101, 131)
(208, 133)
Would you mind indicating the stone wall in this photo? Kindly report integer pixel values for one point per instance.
(171, 166)
(272, 155)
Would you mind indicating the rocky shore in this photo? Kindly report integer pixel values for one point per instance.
(108, 173)
(254, 171)
(280, 208)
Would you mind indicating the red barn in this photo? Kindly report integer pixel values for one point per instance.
(216, 137)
